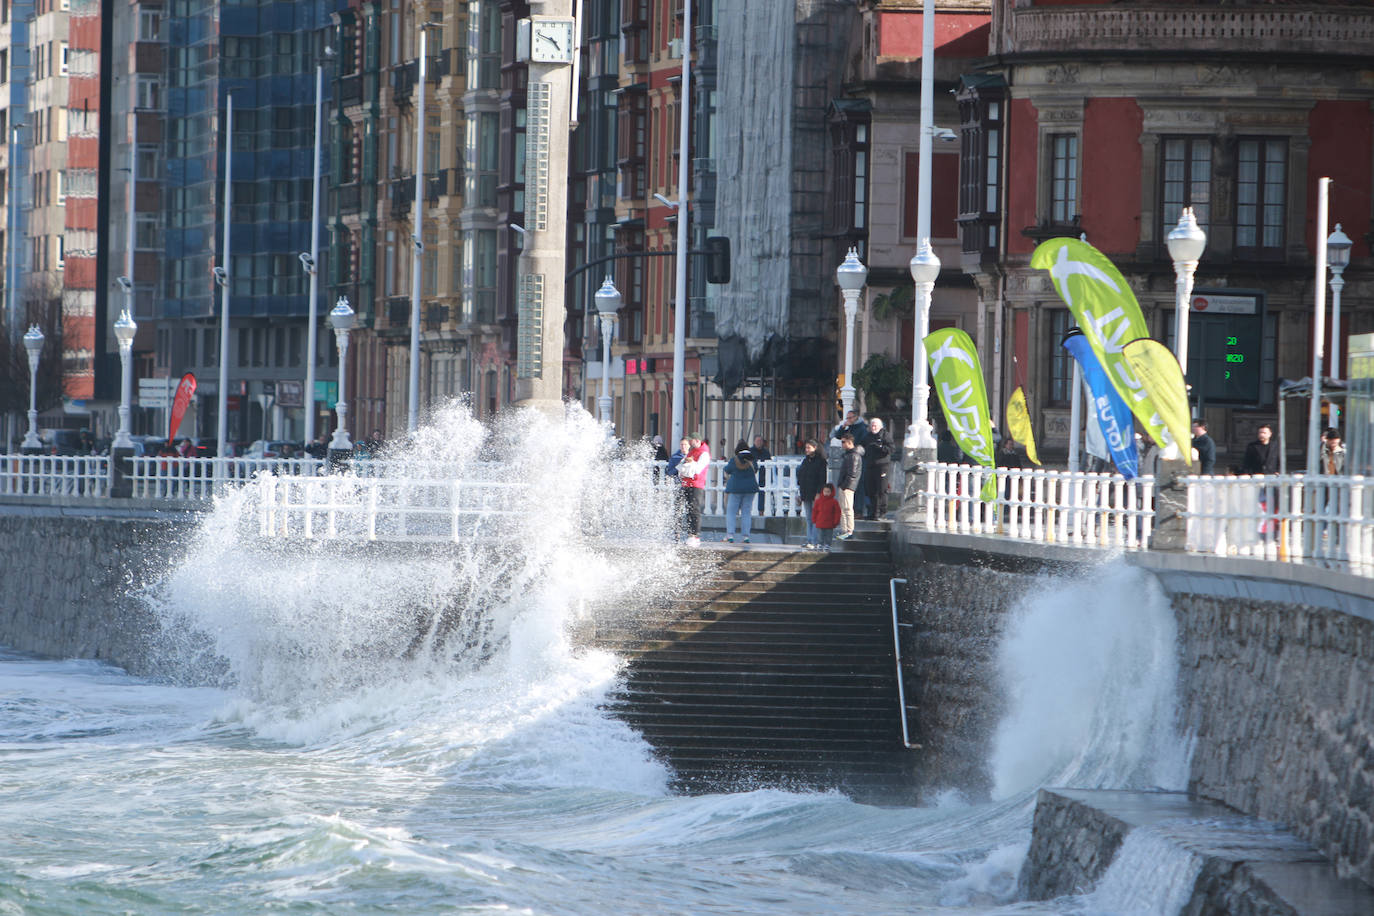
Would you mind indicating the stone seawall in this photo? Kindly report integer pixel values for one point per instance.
(1276, 680)
(67, 581)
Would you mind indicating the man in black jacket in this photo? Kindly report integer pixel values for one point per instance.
(877, 466)
(855, 426)
(1262, 455)
(851, 468)
(1206, 448)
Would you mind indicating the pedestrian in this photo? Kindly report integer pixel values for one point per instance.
(684, 446)
(741, 483)
(811, 477)
(855, 426)
(1206, 448)
(692, 471)
(660, 453)
(851, 469)
(761, 454)
(1333, 452)
(877, 467)
(1262, 455)
(826, 514)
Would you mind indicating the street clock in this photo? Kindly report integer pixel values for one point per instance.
(545, 41)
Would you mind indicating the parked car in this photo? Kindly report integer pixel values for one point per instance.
(274, 448)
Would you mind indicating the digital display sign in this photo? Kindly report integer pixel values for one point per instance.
(1225, 337)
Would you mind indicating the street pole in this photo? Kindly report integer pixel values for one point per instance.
(222, 277)
(125, 329)
(313, 268)
(1186, 243)
(680, 305)
(341, 317)
(1319, 331)
(417, 238)
(925, 266)
(33, 346)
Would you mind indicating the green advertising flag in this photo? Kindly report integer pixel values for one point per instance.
(1106, 310)
(958, 380)
(1160, 373)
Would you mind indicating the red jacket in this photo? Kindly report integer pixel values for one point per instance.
(698, 480)
(825, 511)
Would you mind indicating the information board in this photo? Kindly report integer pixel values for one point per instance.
(1225, 340)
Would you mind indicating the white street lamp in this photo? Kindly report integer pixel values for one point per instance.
(125, 329)
(33, 343)
(851, 276)
(607, 301)
(1318, 331)
(417, 239)
(341, 317)
(221, 273)
(925, 270)
(1186, 243)
(1338, 246)
(310, 262)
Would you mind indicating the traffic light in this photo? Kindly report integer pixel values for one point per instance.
(717, 259)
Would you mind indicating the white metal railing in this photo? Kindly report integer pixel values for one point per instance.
(1328, 520)
(1051, 507)
(195, 479)
(54, 475)
(408, 509)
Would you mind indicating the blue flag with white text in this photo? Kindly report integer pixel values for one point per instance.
(1113, 416)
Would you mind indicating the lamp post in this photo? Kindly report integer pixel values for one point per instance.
(417, 238)
(1314, 413)
(683, 214)
(125, 329)
(1186, 243)
(925, 270)
(1338, 246)
(851, 276)
(33, 343)
(607, 300)
(341, 317)
(310, 262)
(221, 273)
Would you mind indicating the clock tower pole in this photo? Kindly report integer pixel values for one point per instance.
(548, 42)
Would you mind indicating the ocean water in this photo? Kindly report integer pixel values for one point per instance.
(303, 750)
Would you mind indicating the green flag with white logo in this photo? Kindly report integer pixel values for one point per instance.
(958, 380)
(1107, 312)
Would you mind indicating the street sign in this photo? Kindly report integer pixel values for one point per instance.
(1226, 337)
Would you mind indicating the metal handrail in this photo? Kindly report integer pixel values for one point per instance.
(897, 651)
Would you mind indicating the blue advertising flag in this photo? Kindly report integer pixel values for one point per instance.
(1113, 416)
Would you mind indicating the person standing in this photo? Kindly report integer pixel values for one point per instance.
(660, 452)
(851, 469)
(877, 467)
(692, 471)
(741, 483)
(1333, 452)
(826, 515)
(811, 475)
(1206, 448)
(761, 454)
(1262, 455)
(855, 426)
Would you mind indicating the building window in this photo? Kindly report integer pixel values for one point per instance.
(1063, 179)
(147, 163)
(149, 93)
(1058, 321)
(149, 24)
(1261, 194)
(64, 61)
(1186, 170)
(849, 162)
(146, 232)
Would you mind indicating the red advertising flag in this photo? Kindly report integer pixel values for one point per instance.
(185, 389)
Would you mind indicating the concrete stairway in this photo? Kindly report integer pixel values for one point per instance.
(776, 671)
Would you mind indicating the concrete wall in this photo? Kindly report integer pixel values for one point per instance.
(67, 580)
(1276, 676)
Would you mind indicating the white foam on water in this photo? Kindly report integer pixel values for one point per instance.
(1090, 672)
(1151, 875)
(459, 653)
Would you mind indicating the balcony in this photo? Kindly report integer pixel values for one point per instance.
(349, 200)
(436, 185)
(403, 77)
(436, 316)
(351, 90)
(398, 311)
(402, 196)
(1187, 31)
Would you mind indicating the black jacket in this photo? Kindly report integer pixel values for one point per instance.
(851, 468)
(878, 449)
(811, 474)
(1206, 453)
(1261, 458)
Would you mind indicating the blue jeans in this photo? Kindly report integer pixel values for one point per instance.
(812, 532)
(737, 503)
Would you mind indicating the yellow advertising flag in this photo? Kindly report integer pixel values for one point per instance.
(1019, 423)
(1160, 375)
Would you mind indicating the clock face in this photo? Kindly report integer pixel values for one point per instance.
(551, 41)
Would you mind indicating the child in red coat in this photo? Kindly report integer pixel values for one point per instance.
(825, 514)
